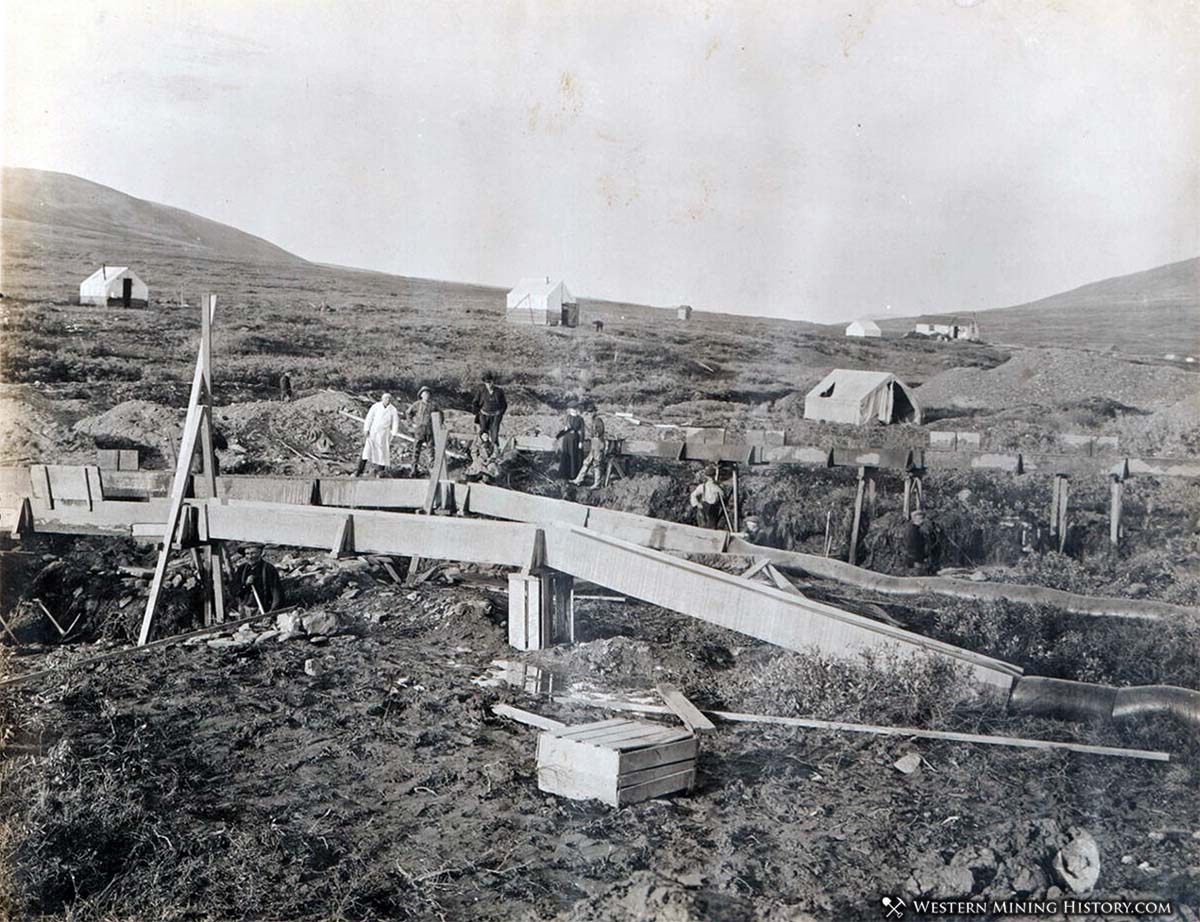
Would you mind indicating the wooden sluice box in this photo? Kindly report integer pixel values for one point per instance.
(618, 761)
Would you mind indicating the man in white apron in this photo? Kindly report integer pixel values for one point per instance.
(381, 424)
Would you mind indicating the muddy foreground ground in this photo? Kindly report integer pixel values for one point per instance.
(228, 782)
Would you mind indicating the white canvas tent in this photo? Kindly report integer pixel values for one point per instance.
(857, 397)
(864, 328)
(114, 285)
(542, 301)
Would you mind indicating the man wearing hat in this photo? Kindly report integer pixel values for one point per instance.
(420, 417)
(489, 405)
(708, 500)
(595, 459)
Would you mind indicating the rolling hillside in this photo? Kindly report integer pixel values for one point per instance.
(1152, 312)
(46, 205)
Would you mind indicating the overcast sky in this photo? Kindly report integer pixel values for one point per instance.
(819, 161)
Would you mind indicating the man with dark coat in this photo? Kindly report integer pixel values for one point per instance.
(420, 417)
(922, 544)
(489, 406)
(570, 440)
(256, 583)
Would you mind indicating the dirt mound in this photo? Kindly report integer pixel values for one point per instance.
(36, 428)
(139, 424)
(1055, 376)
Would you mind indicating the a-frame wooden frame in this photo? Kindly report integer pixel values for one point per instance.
(197, 434)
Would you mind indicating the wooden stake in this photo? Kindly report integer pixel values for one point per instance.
(1114, 514)
(1063, 492)
(1054, 504)
(858, 509)
(215, 588)
(736, 503)
(437, 471)
(908, 486)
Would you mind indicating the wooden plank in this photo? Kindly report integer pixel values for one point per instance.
(781, 581)
(499, 503)
(394, 534)
(653, 448)
(39, 478)
(653, 773)
(635, 737)
(581, 732)
(761, 611)
(737, 453)
(913, 732)
(527, 627)
(527, 717)
(135, 484)
(104, 518)
(899, 459)
(797, 454)
(636, 759)
(1163, 467)
(128, 459)
(301, 491)
(683, 781)
(15, 483)
(656, 533)
(685, 710)
(108, 459)
(357, 492)
(438, 470)
(68, 482)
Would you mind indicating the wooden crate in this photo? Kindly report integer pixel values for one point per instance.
(618, 761)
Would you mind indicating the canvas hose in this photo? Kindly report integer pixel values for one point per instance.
(1083, 701)
(840, 571)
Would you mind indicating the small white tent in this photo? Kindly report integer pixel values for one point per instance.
(542, 301)
(864, 328)
(115, 286)
(857, 397)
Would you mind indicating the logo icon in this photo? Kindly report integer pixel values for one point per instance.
(893, 907)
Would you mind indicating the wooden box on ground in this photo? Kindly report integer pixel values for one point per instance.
(618, 761)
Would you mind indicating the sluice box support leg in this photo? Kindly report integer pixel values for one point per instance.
(541, 609)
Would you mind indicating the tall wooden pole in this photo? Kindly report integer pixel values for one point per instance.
(1063, 491)
(214, 609)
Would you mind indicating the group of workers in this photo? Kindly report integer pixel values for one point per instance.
(382, 424)
(581, 446)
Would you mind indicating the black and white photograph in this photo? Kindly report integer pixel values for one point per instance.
(642, 461)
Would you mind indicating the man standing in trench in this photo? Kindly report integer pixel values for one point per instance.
(708, 500)
(489, 406)
(256, 583)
